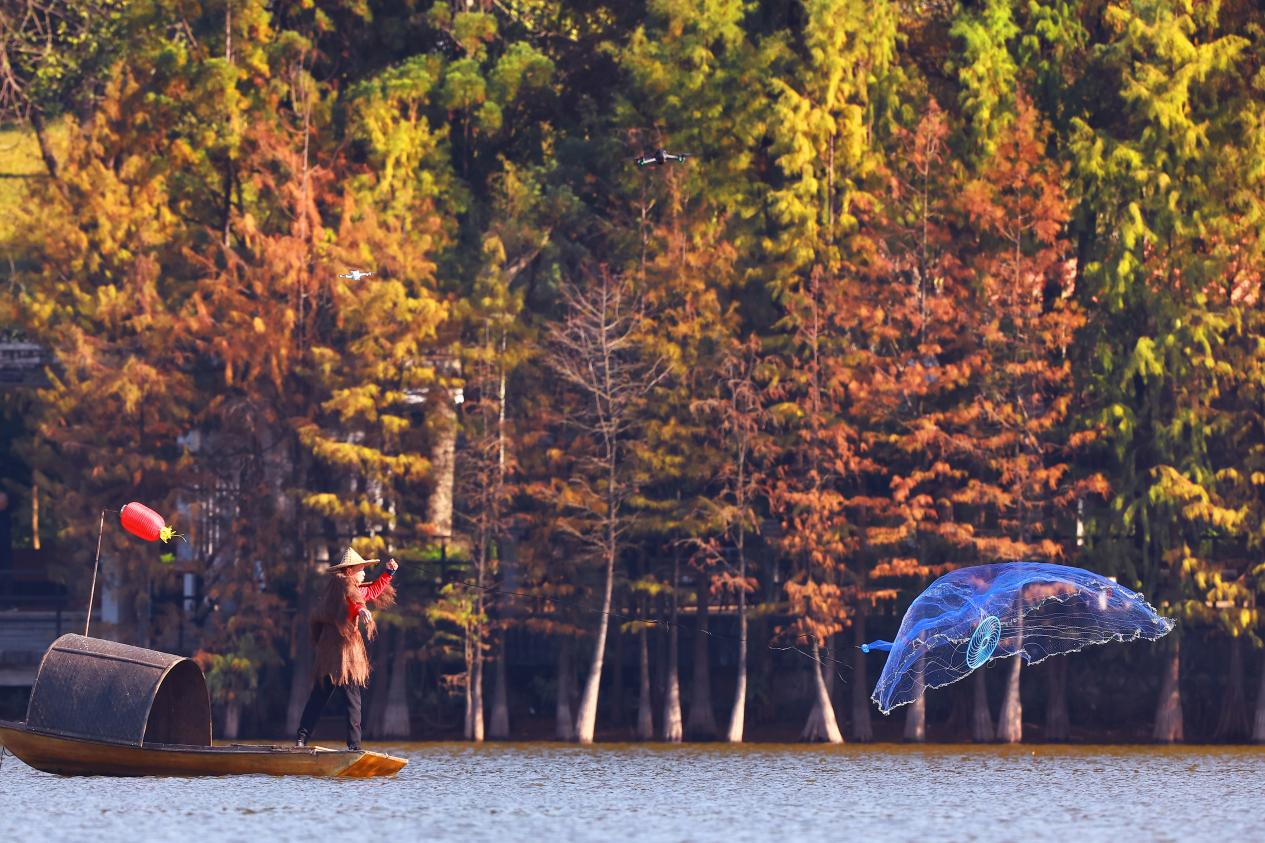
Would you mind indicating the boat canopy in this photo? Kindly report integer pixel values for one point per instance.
(103, 690)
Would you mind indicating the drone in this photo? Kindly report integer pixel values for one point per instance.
(661, 156)
(356, 275)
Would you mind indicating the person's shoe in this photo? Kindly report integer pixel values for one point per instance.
(301, 738)
(354, 747)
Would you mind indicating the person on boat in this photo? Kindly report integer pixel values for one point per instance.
(341, 660)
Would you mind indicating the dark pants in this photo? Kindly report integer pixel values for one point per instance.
(321, 692)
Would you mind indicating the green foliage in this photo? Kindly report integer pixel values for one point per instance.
(819, 128)
(20, 166)
(986, 69)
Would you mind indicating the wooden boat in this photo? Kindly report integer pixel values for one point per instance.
(68, 756)
(100, 708)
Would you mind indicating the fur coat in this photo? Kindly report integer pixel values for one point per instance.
(340, 649)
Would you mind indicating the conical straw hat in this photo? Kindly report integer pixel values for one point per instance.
(351, 559)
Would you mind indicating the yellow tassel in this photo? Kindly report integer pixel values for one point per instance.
(166, 533)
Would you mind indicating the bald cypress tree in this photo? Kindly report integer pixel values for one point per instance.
(1154, 175)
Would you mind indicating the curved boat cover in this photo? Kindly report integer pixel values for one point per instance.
(102, 690)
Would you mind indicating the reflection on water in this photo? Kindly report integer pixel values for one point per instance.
(546, 792)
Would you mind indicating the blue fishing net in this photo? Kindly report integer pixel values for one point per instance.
(1031, 609)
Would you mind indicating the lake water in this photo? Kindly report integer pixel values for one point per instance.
(612, 792)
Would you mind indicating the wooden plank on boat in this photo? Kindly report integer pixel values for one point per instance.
(71, 756)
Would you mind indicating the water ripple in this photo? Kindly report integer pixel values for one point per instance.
(547, 792)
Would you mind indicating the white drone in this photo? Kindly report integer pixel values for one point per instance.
(356, 275)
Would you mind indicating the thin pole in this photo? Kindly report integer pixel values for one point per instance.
(95, 564)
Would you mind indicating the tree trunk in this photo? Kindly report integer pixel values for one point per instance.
(1258, 728)
(564, 724)
(586, 719)
(862, 728)
(467, 729)
(737, 716)
(396, 722)
(232, 719)
(143, 610)
(1232, 725)
(916, 720)
(659, 663)
(300, 689)
(815, 726)
(1010, 718)
(474, 650)
(376, 697)
(821, 723)
(35, 510)
(961, 696)
(672, 730)
(1168, 712)
(702, 721)
(499, 729)
(443, 425)
(476, 693)
(1058, 725)
(301, 678)
(41, 137)
(617, 676)
(982, 730)
(645, 715)
(830, 670)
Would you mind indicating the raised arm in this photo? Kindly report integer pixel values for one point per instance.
(370, 591)
(374, 589)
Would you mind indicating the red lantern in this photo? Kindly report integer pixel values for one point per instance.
(143, 522)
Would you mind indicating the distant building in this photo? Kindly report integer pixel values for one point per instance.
(22, 365)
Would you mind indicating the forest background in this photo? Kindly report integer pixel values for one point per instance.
(942, 283)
